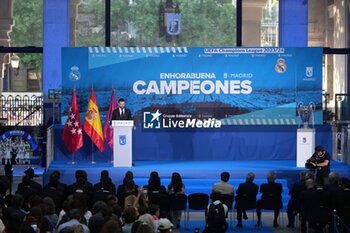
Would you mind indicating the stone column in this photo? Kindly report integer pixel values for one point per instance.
(74, 5)
(6, 23)
(252, 15)
(316, 23)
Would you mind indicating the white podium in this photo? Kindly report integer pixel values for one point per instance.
(122, 143)
(305, 145)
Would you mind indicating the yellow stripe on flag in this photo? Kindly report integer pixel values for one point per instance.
(92, 125)
(95, 122)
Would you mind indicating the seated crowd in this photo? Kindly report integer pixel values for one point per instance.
(83, 207)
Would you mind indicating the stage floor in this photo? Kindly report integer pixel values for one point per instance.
(189, 169)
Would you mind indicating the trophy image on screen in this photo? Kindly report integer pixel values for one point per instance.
(306, 113)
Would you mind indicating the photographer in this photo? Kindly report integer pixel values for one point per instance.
(320, 162)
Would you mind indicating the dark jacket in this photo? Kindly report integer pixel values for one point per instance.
(246, 195)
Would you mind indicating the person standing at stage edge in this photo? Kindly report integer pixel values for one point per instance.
(121, 113)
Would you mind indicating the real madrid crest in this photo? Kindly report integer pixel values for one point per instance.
(280, 67)
(74, 74)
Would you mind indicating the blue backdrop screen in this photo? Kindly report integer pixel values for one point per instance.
(237, 86)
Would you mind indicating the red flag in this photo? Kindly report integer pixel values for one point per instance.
(107, 131)
(92, 124)
(72, 133)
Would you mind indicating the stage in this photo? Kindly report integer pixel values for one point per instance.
(198, 176)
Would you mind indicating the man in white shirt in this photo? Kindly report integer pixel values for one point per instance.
(223, 187)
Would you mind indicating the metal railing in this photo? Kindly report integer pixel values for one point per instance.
(17, 109)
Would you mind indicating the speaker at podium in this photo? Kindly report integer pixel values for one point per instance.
(122, 142)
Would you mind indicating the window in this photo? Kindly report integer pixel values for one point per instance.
(260, 23)
(25, 76)
(21, 102)
(87, 23)
(137, 23)
(269, 25)
(27, 27)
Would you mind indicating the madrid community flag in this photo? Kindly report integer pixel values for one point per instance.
(107, 130)
(92, 124)
(72, 133)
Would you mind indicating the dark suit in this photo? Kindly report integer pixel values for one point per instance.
(315, 207)
(56, 192)
(271, 199)
(117, 116)
(294, 202)
(246, 198)
(341, 203)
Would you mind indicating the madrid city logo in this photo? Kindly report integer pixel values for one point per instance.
(281, 66)
(151, 120)
(309, 71)
(122, 140)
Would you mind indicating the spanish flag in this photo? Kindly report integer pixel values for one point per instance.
(92, 124)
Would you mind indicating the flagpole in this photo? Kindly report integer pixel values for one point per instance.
(112, 156)
(72, 162)
(92, 154)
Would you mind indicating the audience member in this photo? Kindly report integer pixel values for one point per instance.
(16, 207)
(116, 209)
(271, 198)
(136, 225)
(50, 211)
(176, 186)
(25, 188)
(112, 226)
(76, 201)
(35, 217)
(215, 218)
(129, 216)
(80, 176)
(145, 228)
(75, 219)
(154, 184)
(55, 189)
(294, 203)
(154, 210)
(101, 186)
(148, 219)
(101, 214)
(104, 190)
(164, 225)
(334, 181)
(246, 197)
(14, 223)
(305, 196)
(30, 173)
(223, 187)
(122, 189)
